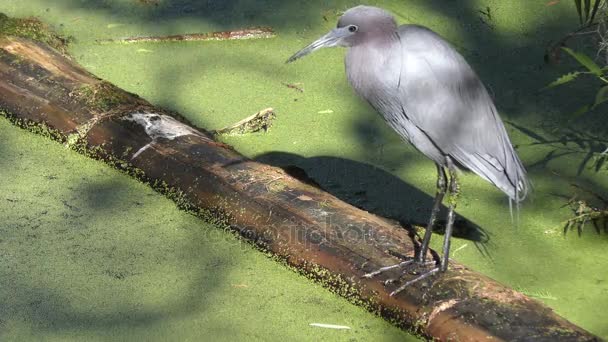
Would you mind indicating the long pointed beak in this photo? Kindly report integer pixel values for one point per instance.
(332, 38)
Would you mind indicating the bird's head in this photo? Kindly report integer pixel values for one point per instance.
(355, 26)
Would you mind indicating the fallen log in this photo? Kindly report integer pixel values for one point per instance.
(310, 229)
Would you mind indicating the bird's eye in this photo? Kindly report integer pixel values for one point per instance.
(352, 28)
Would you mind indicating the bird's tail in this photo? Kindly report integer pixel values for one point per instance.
(515, 183)
(508, 174)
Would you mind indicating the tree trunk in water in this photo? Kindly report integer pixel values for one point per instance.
(307, 227)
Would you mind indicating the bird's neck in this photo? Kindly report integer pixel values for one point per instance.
(379, 39)
(368, 64)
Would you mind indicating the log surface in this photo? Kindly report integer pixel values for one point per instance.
(311, 229)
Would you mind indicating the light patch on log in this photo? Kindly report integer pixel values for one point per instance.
(440, 308)
(161, 126)
(47, 59)
(319, 212)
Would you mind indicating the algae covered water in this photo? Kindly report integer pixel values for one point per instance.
(115, 271)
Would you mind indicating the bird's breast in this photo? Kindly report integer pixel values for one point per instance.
(371, 71)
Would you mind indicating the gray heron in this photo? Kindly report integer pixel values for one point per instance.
(426, 91)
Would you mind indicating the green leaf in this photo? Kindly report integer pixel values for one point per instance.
(587, 10)
(539, 138)
(601, 96)
(584, 109)
(564, 79)
(579, 10)
(596, 6)
(600, 163)
(585, 61)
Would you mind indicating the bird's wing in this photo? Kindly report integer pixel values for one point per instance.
(441, 94)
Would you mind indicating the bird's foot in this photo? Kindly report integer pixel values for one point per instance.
(421, 276)
(388, 268)
(411, 267)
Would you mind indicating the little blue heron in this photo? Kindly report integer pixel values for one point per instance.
(426, 91)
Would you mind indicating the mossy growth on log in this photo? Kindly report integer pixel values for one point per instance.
(350, 290)
(102, 96)
(32, 28)
(214, 216)
(38, 128)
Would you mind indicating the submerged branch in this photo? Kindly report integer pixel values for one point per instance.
(248, 33)
(260, 121)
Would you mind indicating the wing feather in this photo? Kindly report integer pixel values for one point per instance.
(443, 97)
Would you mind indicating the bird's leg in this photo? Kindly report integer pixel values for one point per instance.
(441, 189)
(420, 259)
(454, 191)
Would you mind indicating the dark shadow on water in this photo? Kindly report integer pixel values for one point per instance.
(96, 222)
(373, 189)
(589, 148)
(223, 13)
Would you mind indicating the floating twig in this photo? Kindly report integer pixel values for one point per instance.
(459, 248)
(586, 213)
(149, 2)
(553, 51)
(259, 121)
(293, 86)
(329, 326)
(541, 294)
(248, 33)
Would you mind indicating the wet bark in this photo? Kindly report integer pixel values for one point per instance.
(298, 222)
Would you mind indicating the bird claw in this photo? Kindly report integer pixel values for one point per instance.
(387, 268)
(410, 282)
(389, 281)
(413, 262)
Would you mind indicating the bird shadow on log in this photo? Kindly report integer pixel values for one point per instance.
(375, 190)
